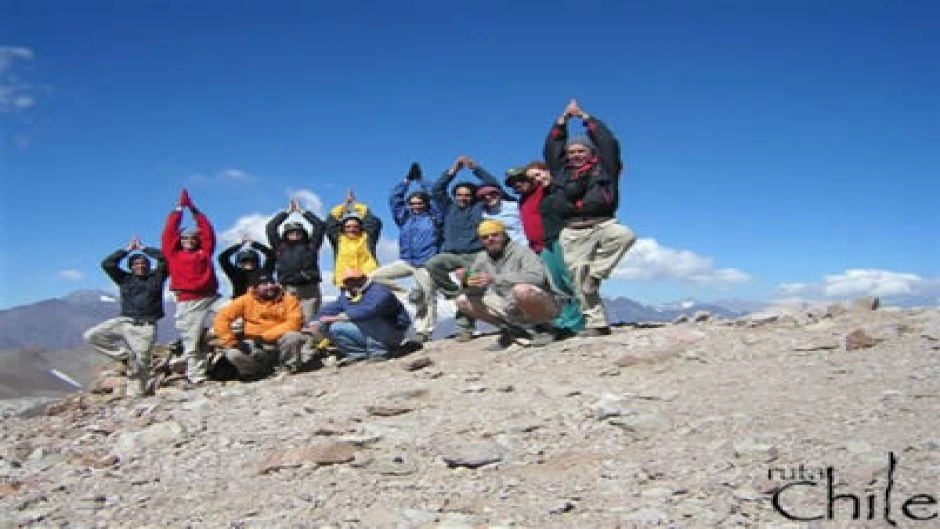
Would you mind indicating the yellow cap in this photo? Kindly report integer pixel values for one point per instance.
(490, 226)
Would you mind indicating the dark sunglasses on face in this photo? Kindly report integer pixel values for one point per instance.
(491, 195)
(490, 236)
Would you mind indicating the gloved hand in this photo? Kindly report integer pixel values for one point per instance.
(414, 173)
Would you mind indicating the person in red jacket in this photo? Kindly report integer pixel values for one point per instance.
(192, 280)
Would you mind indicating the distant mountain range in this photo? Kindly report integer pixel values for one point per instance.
(56, 324)
(45, 337)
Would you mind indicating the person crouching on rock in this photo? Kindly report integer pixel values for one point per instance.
(272, 321)
(129, 337)
(366, 322)
(507, 286)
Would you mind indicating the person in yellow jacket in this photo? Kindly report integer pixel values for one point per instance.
(272, 318)
(353, 232)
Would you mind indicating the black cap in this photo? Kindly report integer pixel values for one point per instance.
(515, 174)
(260, 279)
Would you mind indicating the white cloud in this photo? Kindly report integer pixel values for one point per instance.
(251, 225)
(307, 199)
(871, 282)
(236, 175)
(15, 93)
(857, 282)
(71, 274)
(10, 54)
(648, 261)
(225, 176)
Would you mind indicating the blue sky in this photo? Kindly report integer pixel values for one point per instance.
(773, 149)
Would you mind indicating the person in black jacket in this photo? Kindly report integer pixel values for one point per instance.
(247, 266)
(129, 337)
(587, 170)
(297, 255)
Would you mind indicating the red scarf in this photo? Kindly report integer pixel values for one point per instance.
(578, 172)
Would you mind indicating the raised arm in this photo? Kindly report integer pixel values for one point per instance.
(270, 229)
(111, 266)
(396, 203)
(317, 227)
(608, 147)
(332, 229)
(372, 226)
(170, 239)
(554, 151)
(488, 179)
(225, 260)
(157, 255)
(206, 231)
(439, 191)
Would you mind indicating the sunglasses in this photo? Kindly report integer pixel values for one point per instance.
(490, 236)
(491, 195)
(416, 203)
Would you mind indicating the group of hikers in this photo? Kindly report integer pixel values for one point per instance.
(529, 264)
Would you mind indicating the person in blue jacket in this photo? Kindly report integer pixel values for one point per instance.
(366, 322)
(419, 221)
(460, 245)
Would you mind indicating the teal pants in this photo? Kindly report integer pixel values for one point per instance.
(570, 318)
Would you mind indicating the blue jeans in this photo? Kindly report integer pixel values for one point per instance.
(365, 339)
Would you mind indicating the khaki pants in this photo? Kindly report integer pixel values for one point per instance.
(309, 296)
(425, 311)
(591, 254)
(190, 320)
(120, 339)
(527, 305)
(264, 357)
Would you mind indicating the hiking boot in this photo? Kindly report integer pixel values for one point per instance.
(541, 338)
(503, 343)
(563, 334)
(464, 336)
(541, 335)
(594, 332)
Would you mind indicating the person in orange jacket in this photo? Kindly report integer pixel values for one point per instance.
(271, 338)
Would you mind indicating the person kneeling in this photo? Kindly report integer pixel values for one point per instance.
(272, 321)
(366, 322)
(507, 286)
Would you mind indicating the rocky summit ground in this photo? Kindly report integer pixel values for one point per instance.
(690, 425)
